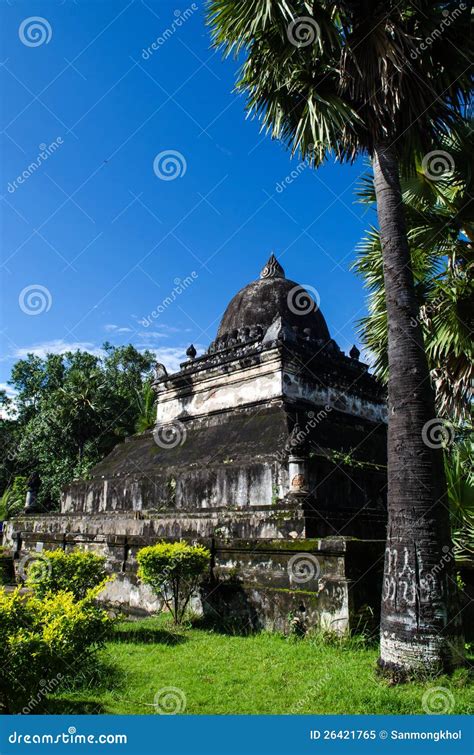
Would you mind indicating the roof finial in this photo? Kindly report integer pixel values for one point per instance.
(354, 353)
(272, 269)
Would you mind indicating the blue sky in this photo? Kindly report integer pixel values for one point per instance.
(101, 233)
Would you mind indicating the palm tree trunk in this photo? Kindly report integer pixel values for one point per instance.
(420, 622)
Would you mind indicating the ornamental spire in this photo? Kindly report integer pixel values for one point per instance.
(272, 269)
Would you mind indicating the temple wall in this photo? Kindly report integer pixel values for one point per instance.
(252, 582)
(331, 397)
(216, 389)
(276, 522)
(230, 485)
(269, 376)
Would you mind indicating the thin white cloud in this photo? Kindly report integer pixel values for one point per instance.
(150, 335)
(111, 328)
(170, 356)
(9, 390)
(57, 346)
(162, 327)
(11, 393)
(368, 357)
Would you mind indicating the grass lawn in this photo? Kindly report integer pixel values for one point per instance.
(261, 673)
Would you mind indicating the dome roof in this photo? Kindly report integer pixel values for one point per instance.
(272, 296)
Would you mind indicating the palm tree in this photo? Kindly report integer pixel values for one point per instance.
(382, 79)
(440, 220)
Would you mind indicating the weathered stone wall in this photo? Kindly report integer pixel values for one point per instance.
(238, 462)
(270, 371)
(271, 522)
(252, 582)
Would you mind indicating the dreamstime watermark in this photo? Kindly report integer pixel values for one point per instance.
(425, 311)
(437, 164)
(169, 435)
(35, 31)
(303, 299)
(179, 19)
(11, 452)
(446, 558)
(296, 439)
(291, 177)
(311, 694)
(169, 701)
(437, 433)
(180, 285)
(281, 186)
(46, 150)
(170, 165)
(69, 737)
(46, 687)
(49, 686)
(303, 567)
(35, 299)
(41, 571)
(437, 700)
(303, 31)
(449, 17)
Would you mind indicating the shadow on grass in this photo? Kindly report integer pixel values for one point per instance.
(233, 627)
(58, 706)
(143, 635)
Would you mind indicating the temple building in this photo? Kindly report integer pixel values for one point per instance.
(270, 448)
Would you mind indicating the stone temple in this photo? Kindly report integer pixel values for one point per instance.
(270, 449)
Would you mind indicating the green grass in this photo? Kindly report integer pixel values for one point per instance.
(261, 673)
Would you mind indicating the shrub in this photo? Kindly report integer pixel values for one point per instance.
(173, 570)
(45, 641)
(75, 572)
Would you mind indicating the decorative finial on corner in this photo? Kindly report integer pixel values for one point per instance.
(272, 269)
(354, 353)
(160, 371)
(191, 352)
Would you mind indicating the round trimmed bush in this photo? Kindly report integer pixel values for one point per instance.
(76, 572)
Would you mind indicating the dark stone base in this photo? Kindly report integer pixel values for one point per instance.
(253, 583)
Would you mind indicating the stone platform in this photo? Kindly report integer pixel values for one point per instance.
(333, 583)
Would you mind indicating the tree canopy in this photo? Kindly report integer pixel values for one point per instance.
(68, 412)
(440, 217)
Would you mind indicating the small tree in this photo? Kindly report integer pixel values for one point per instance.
(173, 570)
(75, 572)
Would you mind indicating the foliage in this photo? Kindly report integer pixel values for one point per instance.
(57, 571)
(361, 78)
(7, 571)
(440, 218)
(173, 570)
(12, 500)
(4, 504)
(9, 440)
(71, 410)
(43, 640)
(459, 469)
(146, 401)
